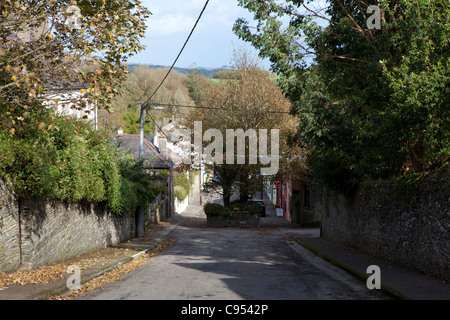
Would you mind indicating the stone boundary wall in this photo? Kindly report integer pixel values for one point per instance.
(36, 232)
(9, 230)
(409, 226)
(53, 231)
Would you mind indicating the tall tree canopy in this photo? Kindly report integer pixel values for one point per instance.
(371, 102)
(44, 45)
(250, 89)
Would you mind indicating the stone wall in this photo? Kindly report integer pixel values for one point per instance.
(235, 220)
(407, 224)
(34, 232)
(309, 213)
(53, 231)
(9, 230)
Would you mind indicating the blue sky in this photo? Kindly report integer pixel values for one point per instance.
(210, 46)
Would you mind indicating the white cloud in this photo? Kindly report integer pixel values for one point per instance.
(169, 24)
(212, 42)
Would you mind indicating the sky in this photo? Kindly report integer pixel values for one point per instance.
(212, 42)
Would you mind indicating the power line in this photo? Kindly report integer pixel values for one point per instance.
(157, 125)
(224, 109)
(179, 54)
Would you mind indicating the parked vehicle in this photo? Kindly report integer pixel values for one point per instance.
(263, 207)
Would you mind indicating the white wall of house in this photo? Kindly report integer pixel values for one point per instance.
(180, 206)
(62, 103)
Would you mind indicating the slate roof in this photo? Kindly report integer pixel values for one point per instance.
(130, 143)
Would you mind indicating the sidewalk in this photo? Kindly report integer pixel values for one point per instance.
(93, 264)
(396, 281)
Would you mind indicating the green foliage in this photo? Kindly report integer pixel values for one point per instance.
(65, 159)
(371, 103)
(180, 193)
(181, 185)
(109, 34)
(246, 207)
(132, 123)
(136, 189)
(192, 82)
(193, 175)
(214, 209)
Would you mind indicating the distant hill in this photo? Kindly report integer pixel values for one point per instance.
(206, 72)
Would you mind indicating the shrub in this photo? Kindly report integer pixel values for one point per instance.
(181, 181)
(248, 207)
(61, 158)
(214, 209)
(180, 193)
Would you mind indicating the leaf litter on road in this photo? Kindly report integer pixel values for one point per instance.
(117, 273)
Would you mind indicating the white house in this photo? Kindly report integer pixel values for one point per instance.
(62, 101)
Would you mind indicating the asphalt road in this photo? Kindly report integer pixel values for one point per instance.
(236, 264)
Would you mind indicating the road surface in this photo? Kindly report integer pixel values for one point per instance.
(236, 264)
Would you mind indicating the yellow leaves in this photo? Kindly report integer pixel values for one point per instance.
(83, 91)
(12, 131)
(41, 126)
(41, 275)
(14, 78)
(50, 36)
(8, 67)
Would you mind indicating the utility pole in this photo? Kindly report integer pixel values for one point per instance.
(140, 215)
(141, 131)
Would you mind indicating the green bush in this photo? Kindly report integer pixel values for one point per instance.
(180, 193)
(214, 209)
(182, 182)
(248, 207)
(135, 188)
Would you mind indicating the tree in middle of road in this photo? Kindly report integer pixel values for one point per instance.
(244, 98)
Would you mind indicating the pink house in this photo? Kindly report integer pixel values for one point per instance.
(284, 196)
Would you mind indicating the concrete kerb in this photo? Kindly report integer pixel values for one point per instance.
(166, 231)
(90, 276)
(388, 290)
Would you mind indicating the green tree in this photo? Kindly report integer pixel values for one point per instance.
(193, 83)
(41, 52)
(370, 102)
(251, 89)
(132, 125)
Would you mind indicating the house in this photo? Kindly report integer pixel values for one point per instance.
(162, 170)
(62, 101)
(63, 93)
(299, 199)
(178, 150)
